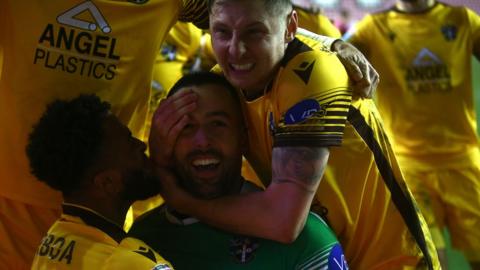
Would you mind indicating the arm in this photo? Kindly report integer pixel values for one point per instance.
(278, 213)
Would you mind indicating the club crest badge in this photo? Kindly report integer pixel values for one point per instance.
(449, 32)
(242, 249)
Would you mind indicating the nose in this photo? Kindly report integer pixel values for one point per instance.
(201, 138)
(237, 47)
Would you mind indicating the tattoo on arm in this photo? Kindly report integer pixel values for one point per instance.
(300, 165)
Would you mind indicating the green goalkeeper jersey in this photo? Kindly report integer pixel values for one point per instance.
(189, 244)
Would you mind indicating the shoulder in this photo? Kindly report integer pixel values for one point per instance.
(133, 253)
(309, 68)
(149, 220)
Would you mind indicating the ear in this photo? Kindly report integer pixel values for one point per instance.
(292, 26)
(108, 182)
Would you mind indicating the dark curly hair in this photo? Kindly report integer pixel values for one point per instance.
(66, 141)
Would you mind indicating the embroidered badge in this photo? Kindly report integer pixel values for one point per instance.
(243, 249)
(449, 32)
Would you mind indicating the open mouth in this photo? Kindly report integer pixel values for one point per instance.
(241, 67)
(205, 164)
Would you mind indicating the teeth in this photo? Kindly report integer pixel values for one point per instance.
(205, 162)
(242, 67)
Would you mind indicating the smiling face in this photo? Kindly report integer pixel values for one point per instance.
(208, 151)
(249, 42)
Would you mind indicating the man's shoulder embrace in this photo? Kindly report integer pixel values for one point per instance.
(314, 71)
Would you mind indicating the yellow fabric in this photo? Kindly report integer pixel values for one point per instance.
(359, 205)
(61, 48)
(22, 227)
(71, 244)
(451, 197)
(316, 22)
(425, 93)
(425, 97)
(179, 47)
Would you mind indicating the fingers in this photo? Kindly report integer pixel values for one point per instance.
(168, 121)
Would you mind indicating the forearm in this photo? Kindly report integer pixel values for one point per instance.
(260, 214)
(279, 212)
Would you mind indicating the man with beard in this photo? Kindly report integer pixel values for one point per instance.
(301, 113)
(81, 149)
(426, 101)
(207, 160)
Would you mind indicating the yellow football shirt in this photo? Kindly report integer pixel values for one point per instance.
(180, 46)
(425, 93)
(362, 195)
(75, 46)
(82, 239)
(316, 22)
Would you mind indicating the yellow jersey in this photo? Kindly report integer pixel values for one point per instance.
(76, 46)
(314, 21)
(180, 46)
(425, 93)
(362, 195)
(83, 239)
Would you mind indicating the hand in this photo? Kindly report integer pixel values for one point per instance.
(171, 192)
(365, 78)
(169, 119)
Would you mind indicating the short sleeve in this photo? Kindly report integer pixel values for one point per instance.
(313, 101)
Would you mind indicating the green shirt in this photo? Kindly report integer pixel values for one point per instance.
(189, 244)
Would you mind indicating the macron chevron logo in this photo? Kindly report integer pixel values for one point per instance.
(70, 18)
(426, 58)
(304, 71)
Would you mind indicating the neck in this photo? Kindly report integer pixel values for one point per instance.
(415, 6)
(114, 213)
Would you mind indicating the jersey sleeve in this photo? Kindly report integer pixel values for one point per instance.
(474, 21)
(313, 101)
(135, 254)
(196, 12)
(320, 247)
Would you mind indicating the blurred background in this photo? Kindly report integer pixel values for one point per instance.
(344, 14)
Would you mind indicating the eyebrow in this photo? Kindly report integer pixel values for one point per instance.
(219, 113)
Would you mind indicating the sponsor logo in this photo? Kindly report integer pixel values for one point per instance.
(79, 43)
(449, 32)
(243, 249)
(336, 259)
(427, 73)
(162, 267)
(304, 71)
(69, 18)
(302, 111)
